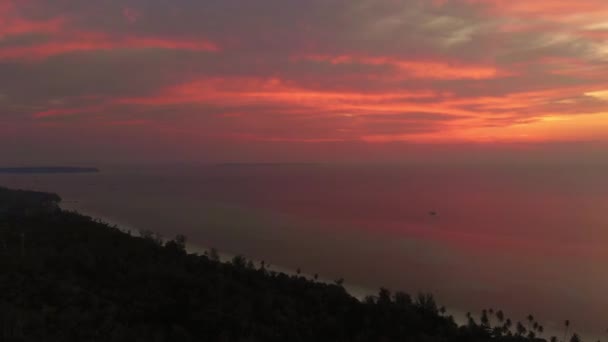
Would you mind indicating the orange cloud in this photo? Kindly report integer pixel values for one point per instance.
(248, 91)
(520, 116)
(416, 68)
(528, 71)
(60, 38)
(96, 41)
(13, 24)
(544, 8)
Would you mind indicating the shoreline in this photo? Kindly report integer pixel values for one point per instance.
(74, 204)
(354, 290)
(358, 292)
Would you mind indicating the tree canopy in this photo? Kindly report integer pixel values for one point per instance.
(68, 277)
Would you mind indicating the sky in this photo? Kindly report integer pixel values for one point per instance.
(293, 80)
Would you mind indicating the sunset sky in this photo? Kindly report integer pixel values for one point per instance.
(299, 80)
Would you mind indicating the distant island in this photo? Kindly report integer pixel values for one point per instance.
(267, 164)
(68, 277)
(53, 169)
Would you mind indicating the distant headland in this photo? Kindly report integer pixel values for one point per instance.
(266, 164)
(53, 169)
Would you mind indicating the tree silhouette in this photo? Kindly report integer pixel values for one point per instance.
(369, 300)
(239, 261)
(485, 321)
(530, 319)
(180, 241)
(567, 325)
(402, 299)
(214, 255)
(507, 326)
(521, 330)
(426, 302)
(83, 280)
(490, 315)
(500, 316)
(178, 244)
(384, 296)
(470, 320)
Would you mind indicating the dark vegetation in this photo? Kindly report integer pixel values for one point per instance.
(63, 169)
(67, 277)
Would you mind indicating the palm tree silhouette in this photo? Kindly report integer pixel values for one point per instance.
(470, 320)
(530, 321)
(521, 330)
(490, 314)
(508, 324)
(500, 315)
(485, 321)
(567, 324)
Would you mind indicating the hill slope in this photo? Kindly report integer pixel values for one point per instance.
(66, 277)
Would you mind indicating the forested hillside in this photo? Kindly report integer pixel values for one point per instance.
(67, 277)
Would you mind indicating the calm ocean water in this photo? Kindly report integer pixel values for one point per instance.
(524, 239)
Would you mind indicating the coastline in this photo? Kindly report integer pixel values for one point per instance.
(359, 292)
(76, 204)
(354, 290)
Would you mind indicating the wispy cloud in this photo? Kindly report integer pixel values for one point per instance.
(311, 71)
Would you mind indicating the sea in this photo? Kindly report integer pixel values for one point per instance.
(521, 238)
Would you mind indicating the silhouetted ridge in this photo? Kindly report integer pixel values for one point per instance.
(55, 169)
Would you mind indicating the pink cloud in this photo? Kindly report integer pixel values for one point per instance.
(84, 42)
(11, 23)
(523, 65)
(417, 68)
(61, 38)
